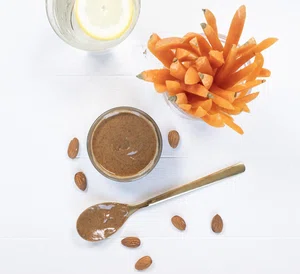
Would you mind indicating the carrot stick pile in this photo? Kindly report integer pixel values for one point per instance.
(205, 78)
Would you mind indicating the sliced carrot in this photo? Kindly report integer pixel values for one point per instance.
(156, 75)
(195, 46)
(177, 70)
(173, 43)
(185, 107)
(202, 65)
(242, 106)
(185, 55)
(206, 79)
(205, 104)
(245, 57)
(248, 45)
(238, 76)
(212, 37)
(181, 98)
(197, 89)
(173, 87)
(214, 120)
(216, 58)
(166, 56)
(181, 53)
(160, 88)
(226, 94)
(235, 30)
(235, 111)
(218, 100)
(202, 42)
(259, 61)
(248, 98)
(226, 69)
(200, 112)
(211, 19)
(247, 86)
(264, 73)
(187, 64)
(191, 76)
(229, 122)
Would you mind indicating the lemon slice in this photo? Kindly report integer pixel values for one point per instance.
(104, 19)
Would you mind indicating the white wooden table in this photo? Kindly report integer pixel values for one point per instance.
(51, 92)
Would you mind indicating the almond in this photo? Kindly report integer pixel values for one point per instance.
(73, 148)
(143, 263)
(131, 242)
(178, 222)
(217, 224)
(80, 180)
(173, 138)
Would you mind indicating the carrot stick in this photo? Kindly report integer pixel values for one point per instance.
(200, 112)
(244, 58)
(202, 65)
(248, 98)
(173, 87)
(218, 100)
(160, 88)
(211, 19)
(235, 111)
(248, 45)
(205, 104)
(259, 60)
(238, 76)
(206, 79)
(216, 58)
(242, 106)
(264, 73)
(194, 44)
(229, 122)
(202, 42)
(197, 89)
(173, 43)
(179, 98)
(166, 56)
(156, 75)
(226, 69)
(212, 37)
(177, 70)
(235, 30)
(187, 64)
(191, 76)
(185, 55)
(214, 120)
(226, 94)
(185, 107)
(246, 86)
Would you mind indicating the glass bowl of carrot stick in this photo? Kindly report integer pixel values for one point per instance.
(209, 76)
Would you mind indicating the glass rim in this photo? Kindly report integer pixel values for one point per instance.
(152, 164)
(180, 111)
(55, 27)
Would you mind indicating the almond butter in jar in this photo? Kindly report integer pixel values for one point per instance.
(124, 144)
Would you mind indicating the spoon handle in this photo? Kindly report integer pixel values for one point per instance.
(216, 176)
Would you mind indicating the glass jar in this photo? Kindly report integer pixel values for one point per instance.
(62, 19)
(114, 112)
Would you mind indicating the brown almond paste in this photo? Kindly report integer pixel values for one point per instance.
(124, 144)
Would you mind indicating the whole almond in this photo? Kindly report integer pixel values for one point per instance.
(217, 224)
(131, 242)
(178, 222)
(173, 138)
(143, 263)
(80, 180)
(73, 148)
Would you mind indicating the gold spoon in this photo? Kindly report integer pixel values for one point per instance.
(100, 221)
